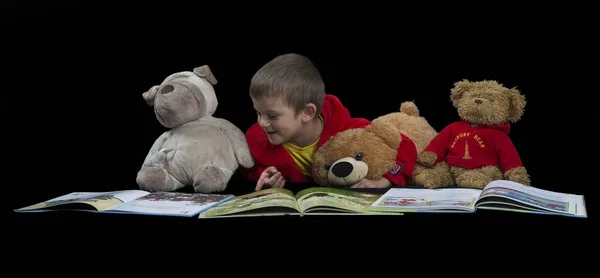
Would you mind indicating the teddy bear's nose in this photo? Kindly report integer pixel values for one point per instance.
(342, 169)
(167, 89)
(478, 101)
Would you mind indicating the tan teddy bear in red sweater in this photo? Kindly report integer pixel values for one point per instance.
(476, 149)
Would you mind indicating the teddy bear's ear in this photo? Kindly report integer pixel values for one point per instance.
(385, 131)
(204, 72)
(517, 104)
(150, 95)
(457, 92)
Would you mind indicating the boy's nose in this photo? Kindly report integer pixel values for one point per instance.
(263, 123)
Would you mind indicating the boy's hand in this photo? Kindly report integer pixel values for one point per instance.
(270, 177)
(367, 183)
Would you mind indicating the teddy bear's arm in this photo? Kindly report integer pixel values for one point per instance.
(238, 141)
(153, 155)
(439, 145)
(507, 152)
(406, 158)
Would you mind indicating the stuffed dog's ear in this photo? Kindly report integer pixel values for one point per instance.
(457, 92)
(204, 72)
(150, 95)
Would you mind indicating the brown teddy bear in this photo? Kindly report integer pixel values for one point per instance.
(477, 148)
(370, 152)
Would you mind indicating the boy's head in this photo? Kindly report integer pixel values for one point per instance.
(287, 93)
(292, 77)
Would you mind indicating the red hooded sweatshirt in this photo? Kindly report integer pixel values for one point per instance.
(336, 118)
(461, 144)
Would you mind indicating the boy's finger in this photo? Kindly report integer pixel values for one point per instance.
(274, 178)
(282, 181)
(279, 183)
(271, 170)
(260, 183)
(356, 185)
(275, 184)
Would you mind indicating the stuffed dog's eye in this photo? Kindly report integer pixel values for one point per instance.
(327, 166)
(358, 156)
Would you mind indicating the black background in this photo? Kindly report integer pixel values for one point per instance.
(75, 119)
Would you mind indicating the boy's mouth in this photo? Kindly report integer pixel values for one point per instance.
(271, 132)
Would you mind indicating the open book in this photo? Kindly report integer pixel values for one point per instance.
(497, 195)
(311, 201)
(132, 202)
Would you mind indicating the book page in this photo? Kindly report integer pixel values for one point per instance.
(171, 203)
(129, 195)
(542, 199)
(266, 211)
(96, 200)
(417, 199)
(334, 199)
(278, 199)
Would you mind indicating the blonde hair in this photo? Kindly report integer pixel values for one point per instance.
(290, 76)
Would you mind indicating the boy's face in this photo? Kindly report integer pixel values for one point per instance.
(278, 120)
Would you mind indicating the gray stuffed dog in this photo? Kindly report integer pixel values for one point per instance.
(198, 150)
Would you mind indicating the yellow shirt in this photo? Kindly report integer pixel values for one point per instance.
(303, 155)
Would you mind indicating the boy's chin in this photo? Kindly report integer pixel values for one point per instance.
(275, 139)
(275, 142)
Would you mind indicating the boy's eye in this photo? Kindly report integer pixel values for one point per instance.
(272, 116)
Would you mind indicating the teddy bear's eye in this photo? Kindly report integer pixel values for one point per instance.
(327, 166)
(358, 156)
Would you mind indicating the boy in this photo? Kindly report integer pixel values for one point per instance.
(295, 117)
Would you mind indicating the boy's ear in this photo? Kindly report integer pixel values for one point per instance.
(310, 111)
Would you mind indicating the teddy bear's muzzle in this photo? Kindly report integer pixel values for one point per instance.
(347, 171)
(342, 169)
